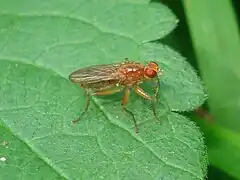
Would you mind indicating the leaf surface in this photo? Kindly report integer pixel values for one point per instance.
(41, 45)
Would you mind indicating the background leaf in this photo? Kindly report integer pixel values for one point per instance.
(219, 55)
(219, 141)
(217, 46)
(41, 45)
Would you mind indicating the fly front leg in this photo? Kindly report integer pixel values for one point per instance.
(156, 95)
(142, 93)
(124, 103)
(98, 93)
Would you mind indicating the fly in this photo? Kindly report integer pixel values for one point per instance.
(108, 79)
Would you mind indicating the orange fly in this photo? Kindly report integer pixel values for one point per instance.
(112, 78)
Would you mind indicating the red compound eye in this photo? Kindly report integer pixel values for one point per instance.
(151, 73)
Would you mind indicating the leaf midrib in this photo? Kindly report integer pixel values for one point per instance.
(63, 175)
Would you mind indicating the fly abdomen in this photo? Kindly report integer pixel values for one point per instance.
(101, 85)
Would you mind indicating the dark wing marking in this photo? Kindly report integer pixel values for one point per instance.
(95, 74)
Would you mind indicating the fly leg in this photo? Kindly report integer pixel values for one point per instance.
(124, 103)
(98, 93)
(86, 107)
(157, 90)
(142, 93)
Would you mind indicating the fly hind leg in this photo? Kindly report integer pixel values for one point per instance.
(124, 103)
(86, 107)
(98, 93)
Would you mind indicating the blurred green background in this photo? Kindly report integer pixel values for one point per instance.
(208, 36)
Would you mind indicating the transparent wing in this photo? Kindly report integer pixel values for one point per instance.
(95, 74)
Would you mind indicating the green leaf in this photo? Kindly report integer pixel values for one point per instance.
(21, 161)
(217, 46)
(223, 147)
(41, 45)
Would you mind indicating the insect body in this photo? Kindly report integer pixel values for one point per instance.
(112, 78)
